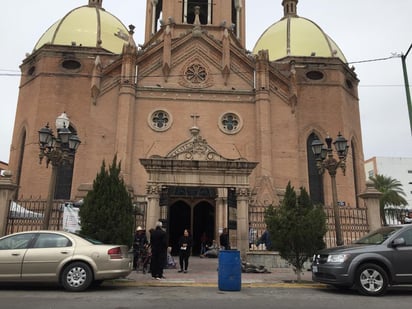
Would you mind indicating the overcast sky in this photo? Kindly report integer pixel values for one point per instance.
(365, 30)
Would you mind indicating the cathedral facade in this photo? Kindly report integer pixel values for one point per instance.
(204, 128)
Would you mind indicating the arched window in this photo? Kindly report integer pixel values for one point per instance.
(157, 15)
(20, 162)
(315, 179)
(65, 177)
(205, 14)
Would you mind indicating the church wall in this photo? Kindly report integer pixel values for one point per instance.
(285, 166)
(51, 91)
(149, 142)
(330, 110)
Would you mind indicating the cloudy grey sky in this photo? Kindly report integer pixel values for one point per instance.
(365, 30)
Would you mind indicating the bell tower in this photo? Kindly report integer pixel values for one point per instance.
(212, 15)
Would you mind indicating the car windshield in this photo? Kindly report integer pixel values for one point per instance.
(91, 240)
(379, 236)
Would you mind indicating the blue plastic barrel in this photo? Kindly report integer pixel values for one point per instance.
(230, 270)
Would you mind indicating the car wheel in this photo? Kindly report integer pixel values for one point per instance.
(77, 277)
(371, 280)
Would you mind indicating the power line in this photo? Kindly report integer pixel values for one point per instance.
(376, 59)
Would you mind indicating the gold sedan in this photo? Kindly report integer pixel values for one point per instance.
(69, 259)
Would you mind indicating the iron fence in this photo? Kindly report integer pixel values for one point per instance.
(354, 224)
(28, 215)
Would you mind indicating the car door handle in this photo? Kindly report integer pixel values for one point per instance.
(64, 252)
(15, 254)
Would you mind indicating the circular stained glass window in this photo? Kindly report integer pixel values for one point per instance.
(160, 120)
(230, 123)
(196, 73)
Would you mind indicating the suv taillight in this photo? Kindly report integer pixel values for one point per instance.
(115, 253)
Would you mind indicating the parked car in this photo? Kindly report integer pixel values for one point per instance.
(68, 259)
(382, 258)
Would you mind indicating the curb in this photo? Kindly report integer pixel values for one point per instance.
(133, 283)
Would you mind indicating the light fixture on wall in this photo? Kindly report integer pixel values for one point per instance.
(58, 150)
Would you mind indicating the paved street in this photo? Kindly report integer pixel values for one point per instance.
(199, 289)
(121, 297)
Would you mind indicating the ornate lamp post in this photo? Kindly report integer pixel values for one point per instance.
(326, 161)
(58, 150)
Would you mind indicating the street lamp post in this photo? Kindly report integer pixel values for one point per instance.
(58, 150)
(326, 161)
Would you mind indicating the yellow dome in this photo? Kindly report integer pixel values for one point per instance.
(89, 26)
(296, 36)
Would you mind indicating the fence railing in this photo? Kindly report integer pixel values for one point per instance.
(354, 224)
(28, 215)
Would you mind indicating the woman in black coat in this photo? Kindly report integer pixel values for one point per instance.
(185, 246)
(158, 242)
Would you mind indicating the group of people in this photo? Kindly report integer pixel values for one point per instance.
(157, 254)
(154, 253)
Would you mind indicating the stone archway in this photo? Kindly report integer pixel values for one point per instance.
(203, 222)
(194, 163)
(179, 220)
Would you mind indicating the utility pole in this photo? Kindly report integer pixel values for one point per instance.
(408, 94)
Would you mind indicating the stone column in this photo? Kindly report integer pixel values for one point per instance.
(243, 221)
(371, 197)
(153, 207)
(7, 188)
(221, 212)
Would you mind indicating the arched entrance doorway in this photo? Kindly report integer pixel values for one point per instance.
(197, 215)
(203, 222)
(179, 220)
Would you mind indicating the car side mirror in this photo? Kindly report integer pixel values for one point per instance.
(398, 242)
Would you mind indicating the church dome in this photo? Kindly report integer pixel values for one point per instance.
(89, 26)
(296, 36)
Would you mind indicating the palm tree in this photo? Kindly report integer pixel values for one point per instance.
(392, 190)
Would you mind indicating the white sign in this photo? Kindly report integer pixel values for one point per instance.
(71, 220)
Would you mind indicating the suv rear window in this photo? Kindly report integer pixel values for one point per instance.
(379, 236)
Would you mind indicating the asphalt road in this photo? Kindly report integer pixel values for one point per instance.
(124, 297)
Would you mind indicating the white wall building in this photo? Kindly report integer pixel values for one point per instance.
(394, 167)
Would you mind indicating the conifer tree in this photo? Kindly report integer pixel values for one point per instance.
(296, 228)
(107, 212)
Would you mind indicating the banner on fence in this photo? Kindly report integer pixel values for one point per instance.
(71, 219)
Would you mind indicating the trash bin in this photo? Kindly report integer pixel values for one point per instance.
(230, 270)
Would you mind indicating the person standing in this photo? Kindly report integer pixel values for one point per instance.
(185, 246)
(224, 240)
(139, 244)
(158, 242)
(203, 243)
(252, 235)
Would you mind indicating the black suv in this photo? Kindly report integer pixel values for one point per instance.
(371, 264)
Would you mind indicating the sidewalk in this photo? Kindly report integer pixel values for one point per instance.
(204, 272)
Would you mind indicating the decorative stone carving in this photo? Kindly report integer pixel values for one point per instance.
(153, 189)
(196, 148)
(195, 74)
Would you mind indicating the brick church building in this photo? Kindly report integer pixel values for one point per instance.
(204, 128)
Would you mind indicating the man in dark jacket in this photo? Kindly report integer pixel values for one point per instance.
(158, 242)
